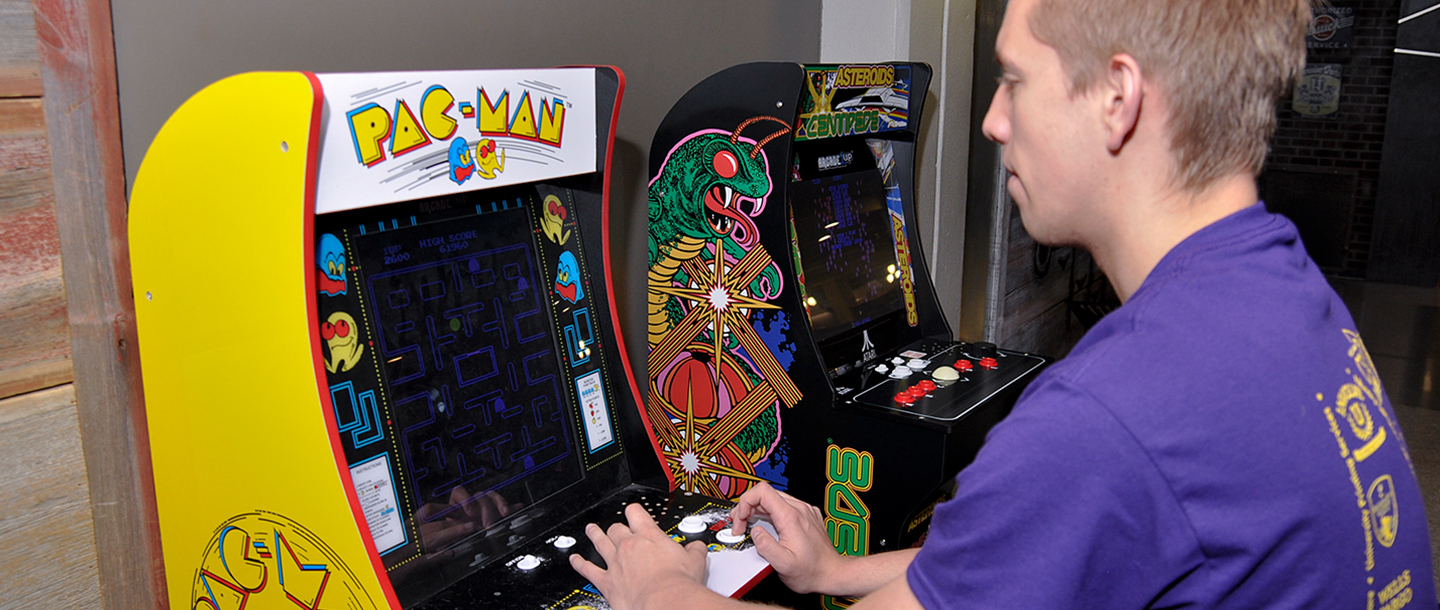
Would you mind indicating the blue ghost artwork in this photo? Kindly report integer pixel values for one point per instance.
(462, 163)
(330, 266)
(567, 278)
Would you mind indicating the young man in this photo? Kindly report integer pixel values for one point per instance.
(1220, 441)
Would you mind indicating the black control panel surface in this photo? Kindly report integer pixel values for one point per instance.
(536, 573)
(938, 382)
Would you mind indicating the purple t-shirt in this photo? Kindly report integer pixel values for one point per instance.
(1220, 441)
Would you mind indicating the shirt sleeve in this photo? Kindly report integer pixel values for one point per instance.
(1062, 508)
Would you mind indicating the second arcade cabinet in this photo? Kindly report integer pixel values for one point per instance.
(794, 333)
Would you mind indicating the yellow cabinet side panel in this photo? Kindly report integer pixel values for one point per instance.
(251, 503)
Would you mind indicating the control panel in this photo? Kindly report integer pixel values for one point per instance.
(937, 382)
(537, 573)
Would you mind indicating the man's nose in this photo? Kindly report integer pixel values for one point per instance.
(997, 121)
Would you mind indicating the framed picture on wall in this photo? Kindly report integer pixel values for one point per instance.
(1332, 27)
(1317, 94)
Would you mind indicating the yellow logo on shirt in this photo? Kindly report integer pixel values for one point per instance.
(1358, 439)
(1384, 519)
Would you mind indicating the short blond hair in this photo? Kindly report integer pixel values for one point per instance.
(1223, 65)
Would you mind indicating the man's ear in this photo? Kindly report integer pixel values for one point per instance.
(1123, 91)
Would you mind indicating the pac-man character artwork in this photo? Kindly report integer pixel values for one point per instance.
(462, 164)
(330, 266)
(716, 386)
(490, 161)
(343, 340)
(552, 220)
(264, 560)
(567, 278)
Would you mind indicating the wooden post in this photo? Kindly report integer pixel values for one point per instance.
(82, 114)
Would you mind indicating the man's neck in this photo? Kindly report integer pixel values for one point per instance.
(1154, 222)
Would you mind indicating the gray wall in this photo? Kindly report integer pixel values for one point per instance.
(166, 51)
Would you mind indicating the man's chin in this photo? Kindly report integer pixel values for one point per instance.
(1045, 235)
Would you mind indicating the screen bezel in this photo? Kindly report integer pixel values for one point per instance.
(846, 349)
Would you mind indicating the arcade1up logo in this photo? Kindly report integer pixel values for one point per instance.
(847, 518)
(853, 100)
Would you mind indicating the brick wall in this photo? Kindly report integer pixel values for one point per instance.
(1349, 142)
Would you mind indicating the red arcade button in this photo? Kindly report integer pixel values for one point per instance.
(964, 366)
(926, 385)
(989, 364)
(904, 398)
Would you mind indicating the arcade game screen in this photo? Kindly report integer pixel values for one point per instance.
(843, 238)
(474, 407)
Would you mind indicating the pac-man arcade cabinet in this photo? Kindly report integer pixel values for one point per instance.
(381, 362)
(794, 332)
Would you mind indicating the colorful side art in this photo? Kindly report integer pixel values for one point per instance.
(342, 339)
(847, 519)
(853, 100)
(552, 221)
(884, 153)
(330, 266)
(264, 560)
(716, 386)
(567, 278)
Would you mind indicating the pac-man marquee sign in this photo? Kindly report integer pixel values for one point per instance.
(407, 135)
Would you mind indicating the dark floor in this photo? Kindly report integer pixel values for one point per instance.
(1401, 329)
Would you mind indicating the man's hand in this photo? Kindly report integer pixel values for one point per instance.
(642, 561)
(803, 555)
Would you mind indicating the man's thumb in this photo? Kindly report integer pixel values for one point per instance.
(765, 542)
(697, 549)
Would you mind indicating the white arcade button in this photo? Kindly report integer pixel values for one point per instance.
(528, 562)
(692, 525)
(564, 542)
(725, 537)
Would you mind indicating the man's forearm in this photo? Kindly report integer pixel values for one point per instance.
(861, 576)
